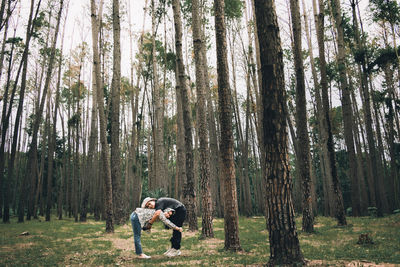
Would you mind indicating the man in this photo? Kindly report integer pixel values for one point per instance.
(177, 218)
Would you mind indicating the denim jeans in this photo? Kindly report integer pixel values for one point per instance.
(137, 231)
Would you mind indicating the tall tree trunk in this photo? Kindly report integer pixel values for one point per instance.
(91, 165)
(347, 113)
(134, 172)
(363, 195)
(212, 130)
(355, 197)
(347, 107)
(180, 140)
(120, 216)
(284, 243)
(237, 123)
(394, 174)
(100, 104)
(24, 184)
(53, 132)
(6, 112)
(159, 170)
(189, 191)
(76, 160)
(227, 174)
(381, 161)
(245, 155)
(303, 143)
(337, 193)
(206, 203)
(5, 181)
(324, 162)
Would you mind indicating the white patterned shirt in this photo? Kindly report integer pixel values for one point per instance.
(145, 215)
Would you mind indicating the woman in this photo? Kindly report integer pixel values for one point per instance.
(140, 217)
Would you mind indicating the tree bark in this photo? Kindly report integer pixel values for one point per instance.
(206, 203)
(228, 179)
(337, 194)
(212, 130)
(120, 215)
(303, 143)
(100, 104)
(189, 191)
(284, 243)
(159, 168)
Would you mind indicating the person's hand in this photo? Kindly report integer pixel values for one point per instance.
(180, 229)
(147, 226)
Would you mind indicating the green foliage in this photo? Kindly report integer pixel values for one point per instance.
(234, 9)
(38, 23)
(76, 92)
(383, 57)
(163, 57)
(156, 193)
(385, 10)
(14, 40)
(30, 121)
(64, 242)
(74, 120)
(332, 71)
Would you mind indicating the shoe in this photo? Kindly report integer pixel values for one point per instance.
(168, 251)
(174, 253)
(144, 256)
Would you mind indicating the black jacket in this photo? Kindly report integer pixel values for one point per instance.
(166, 202)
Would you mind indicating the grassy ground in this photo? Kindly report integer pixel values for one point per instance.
(66, 243)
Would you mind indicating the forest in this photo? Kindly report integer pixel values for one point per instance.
(286, 110)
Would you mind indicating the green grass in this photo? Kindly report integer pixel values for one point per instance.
(60, 243)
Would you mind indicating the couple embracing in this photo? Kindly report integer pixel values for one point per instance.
(170, 211)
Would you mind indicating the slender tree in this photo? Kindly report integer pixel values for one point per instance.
(189, 192)
(284, 243)
(337, 193)
(159, 176)
(225, 110)
(102, 120)
(206, 203)
(303, 144)
(120, 215)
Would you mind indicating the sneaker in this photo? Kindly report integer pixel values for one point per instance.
(144, 256)
(168, 251)
(174, 252)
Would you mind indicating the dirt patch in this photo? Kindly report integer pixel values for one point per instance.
(209, 246)
(187, 263)
(17, 247)
(122, 244)
(212, 243)
(357, 229)
(396, 224)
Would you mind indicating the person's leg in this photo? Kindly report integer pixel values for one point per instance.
(178, 218)
(137, 230)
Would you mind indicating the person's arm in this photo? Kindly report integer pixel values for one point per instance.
(155, 216)
(169, 223)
